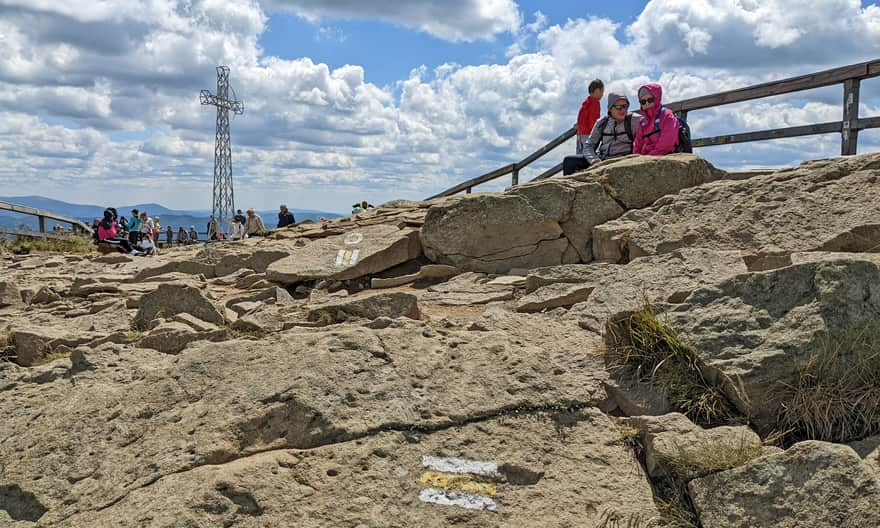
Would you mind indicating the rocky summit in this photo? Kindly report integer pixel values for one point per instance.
(653, 342)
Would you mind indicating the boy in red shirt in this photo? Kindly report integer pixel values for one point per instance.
(589, 113)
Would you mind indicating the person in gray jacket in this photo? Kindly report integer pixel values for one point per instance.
(612, 136)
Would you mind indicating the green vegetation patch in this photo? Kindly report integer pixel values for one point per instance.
(650, 351)
(71, 244)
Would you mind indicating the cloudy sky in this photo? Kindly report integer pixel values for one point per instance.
(379, 99)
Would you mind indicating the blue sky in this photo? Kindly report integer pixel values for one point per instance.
(389, 51)
(347, 100)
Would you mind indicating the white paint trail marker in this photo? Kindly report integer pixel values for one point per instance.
(468, 501)
(460, 465)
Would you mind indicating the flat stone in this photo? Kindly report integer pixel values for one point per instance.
(554, 296)
(195, 323)
(360, 252)
(438, 271)
(468, 289)
(393, 282)
(169, 300)
(370, 306)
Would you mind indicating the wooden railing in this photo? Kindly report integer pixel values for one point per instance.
(76, 225)
(849, 127)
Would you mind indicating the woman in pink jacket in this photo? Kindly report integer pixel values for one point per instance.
(655, 137)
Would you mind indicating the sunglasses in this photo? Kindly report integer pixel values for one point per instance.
(620, 107)
(647, 100)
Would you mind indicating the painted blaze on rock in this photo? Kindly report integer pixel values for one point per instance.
(349, 256)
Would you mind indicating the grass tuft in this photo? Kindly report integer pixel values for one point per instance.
(70, 244)
(52, 356)
(7, 346)
(672, 498)
(836, 396)
(650, 351)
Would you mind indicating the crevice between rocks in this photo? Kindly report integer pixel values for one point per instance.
(567, 409)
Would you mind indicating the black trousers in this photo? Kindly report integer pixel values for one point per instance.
(573, 164)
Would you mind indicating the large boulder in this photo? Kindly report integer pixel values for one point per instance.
(758, 330)
(396, 479)
(147, 416)
(170, 299)
(659, 279)
(813, 484)
(637, 181)
(355, 254)
(829, 205)
(551, 222)
(492, 233)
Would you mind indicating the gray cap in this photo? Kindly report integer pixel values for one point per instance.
(613, 97)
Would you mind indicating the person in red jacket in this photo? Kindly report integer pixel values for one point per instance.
(589, 113)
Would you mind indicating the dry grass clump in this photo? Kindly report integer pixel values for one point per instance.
(836, 396)
(52, 356)
(70, 244)
(7, 346)
(651, 351)
(672, 498)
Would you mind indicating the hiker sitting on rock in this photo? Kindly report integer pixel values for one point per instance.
(613, 134)
(181, 236)
(285, 217)
(657, 134)
(108, 235)
(254, 225)
(193, 235)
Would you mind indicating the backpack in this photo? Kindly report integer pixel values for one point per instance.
(627, 125)
(684, 132)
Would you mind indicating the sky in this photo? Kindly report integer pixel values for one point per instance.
(372, 99)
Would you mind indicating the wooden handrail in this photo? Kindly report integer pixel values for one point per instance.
(42, 215)
(850, 76)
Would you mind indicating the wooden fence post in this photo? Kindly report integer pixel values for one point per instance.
(42, 220)
(849, 133)
(514, 178)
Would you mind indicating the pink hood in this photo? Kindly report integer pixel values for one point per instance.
(657, 92)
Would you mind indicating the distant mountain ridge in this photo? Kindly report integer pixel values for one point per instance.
(175, 218)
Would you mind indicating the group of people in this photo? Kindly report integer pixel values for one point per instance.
(654, 131)
(250, 224)
(139, 234)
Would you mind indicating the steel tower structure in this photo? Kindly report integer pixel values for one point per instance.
(223, 203)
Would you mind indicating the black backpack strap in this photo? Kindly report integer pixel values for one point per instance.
(629, 127)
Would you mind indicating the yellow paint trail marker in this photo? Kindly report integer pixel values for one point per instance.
(459, 482)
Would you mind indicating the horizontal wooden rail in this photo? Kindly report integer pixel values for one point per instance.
(850, 76)
(15, 208)
(466, 186)
(781, 87)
